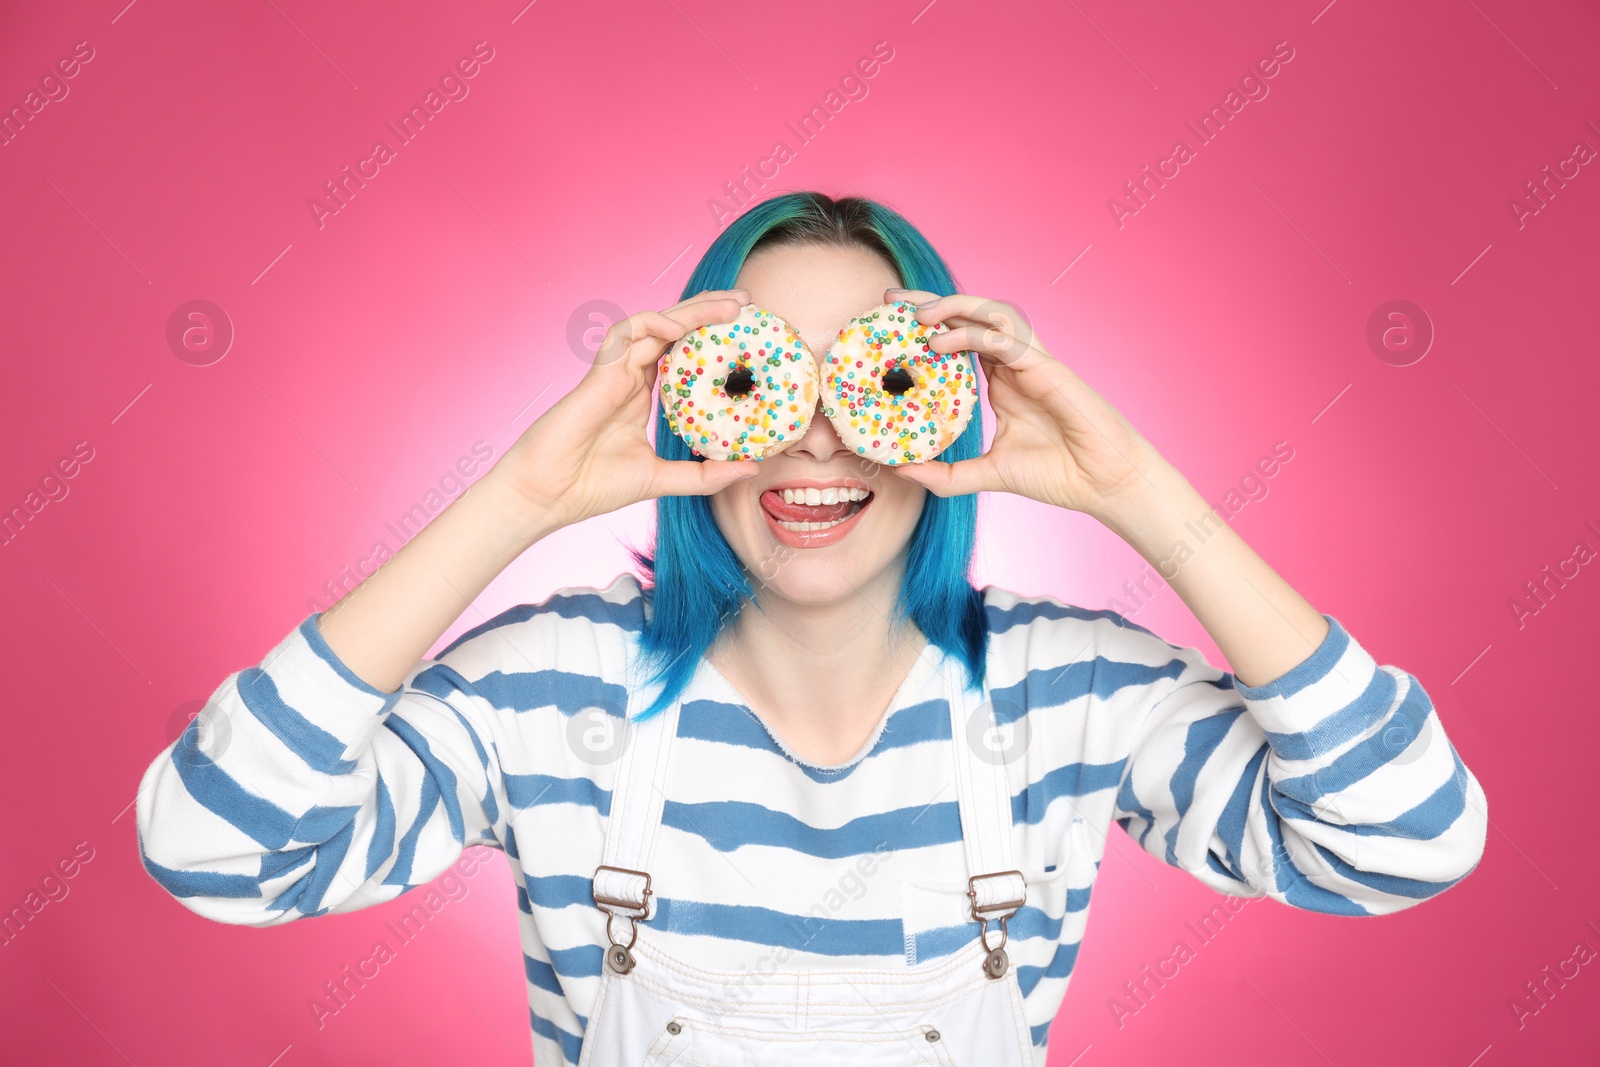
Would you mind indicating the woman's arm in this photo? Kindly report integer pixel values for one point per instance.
(1334, 788)
(1318, 777)
(588, 455)
(388, 622)
(1260, 623)
(343, 769)
(1056, 440)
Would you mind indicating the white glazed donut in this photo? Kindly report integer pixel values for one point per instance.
(744, 389)
(924, 405)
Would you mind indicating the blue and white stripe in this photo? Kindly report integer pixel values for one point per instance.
(303, 790)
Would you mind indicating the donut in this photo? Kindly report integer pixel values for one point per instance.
(744, 389)
(891, 398)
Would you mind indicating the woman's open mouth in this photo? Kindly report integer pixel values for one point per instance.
(807, 516)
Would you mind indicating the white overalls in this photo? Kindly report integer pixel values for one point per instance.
(963, 1010)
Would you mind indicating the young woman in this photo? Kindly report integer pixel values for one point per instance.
(806, 793)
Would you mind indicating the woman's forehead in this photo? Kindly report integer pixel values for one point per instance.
(817, 289)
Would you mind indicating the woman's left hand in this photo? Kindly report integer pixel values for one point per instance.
(1055, 440)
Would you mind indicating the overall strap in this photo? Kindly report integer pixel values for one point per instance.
(621, 885)
(995, 888)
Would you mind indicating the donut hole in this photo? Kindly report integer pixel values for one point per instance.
(897, 380)
(739, 382)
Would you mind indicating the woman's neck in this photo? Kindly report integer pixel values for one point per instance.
(821, 676)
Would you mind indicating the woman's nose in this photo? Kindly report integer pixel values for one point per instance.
(820, 441)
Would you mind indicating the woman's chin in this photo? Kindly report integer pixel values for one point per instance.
(810, 583)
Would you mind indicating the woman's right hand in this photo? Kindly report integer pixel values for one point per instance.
(589, 453)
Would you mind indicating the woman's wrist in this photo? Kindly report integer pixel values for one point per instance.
(1261, 625)
(525, 521)
(1151, 505)
(388, 622)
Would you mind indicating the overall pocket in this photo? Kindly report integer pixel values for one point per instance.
(946, 1014)
(691, 1042)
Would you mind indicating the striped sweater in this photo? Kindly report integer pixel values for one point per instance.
(303, 790)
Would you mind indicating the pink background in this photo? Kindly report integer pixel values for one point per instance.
(432, 312)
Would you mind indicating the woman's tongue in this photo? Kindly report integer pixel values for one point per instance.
(772, 500)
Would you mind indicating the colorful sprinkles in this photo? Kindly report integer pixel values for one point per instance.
(772, 414)
(886, 427)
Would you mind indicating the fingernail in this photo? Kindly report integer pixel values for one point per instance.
(892, 289)
(929, 304)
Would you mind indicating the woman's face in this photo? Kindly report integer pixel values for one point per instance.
(817, 289)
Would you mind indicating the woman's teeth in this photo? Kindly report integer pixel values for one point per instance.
(803, 526)
(855, 498)
(830, 495)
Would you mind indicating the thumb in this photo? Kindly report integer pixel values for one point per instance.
(949, 479)
(687, 477)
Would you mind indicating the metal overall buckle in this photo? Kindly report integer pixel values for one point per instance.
(995, 960)
(618, 956)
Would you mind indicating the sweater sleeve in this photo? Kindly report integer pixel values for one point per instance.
(301, 789)
(1333, 788)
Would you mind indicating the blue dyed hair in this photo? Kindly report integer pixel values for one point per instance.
(694, 581)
